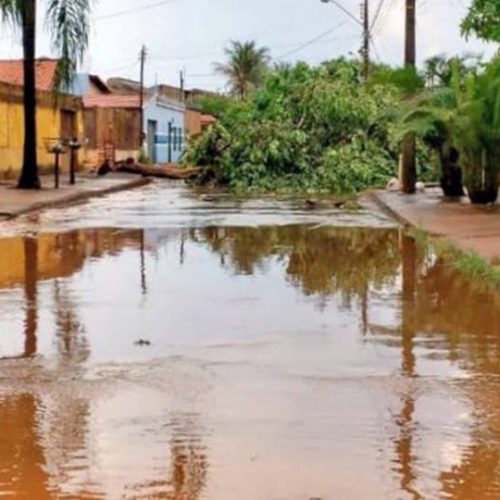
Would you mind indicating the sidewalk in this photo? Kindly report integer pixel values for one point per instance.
(467, 226)
(14, 202)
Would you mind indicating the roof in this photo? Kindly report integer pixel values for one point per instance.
(100, 84)
(112, 101)
(123, 86)
(81, 85)
(11, 71)
(208, 120)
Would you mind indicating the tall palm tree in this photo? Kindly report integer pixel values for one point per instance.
(69, 25)
(245, 68)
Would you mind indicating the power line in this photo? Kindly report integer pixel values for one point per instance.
(377, 14)
(345, 11)
(121, 68)
(137, 9)
(383, 19)
(311, 41)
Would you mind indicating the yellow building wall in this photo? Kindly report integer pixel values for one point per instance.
(48, 126)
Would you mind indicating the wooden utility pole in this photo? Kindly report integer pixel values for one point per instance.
(408, 151)
(411, 34)
(141, 98)
(366, 39)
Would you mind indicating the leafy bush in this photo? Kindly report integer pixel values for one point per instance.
(353, 167)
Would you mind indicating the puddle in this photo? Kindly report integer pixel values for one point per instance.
(158, 344)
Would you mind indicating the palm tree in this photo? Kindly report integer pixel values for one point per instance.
(245, 68)
(68, 22)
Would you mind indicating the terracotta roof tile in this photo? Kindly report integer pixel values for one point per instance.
(208, 120)
(112, 101)
(11, 71)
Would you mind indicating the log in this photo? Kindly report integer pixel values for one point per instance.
(164, 171)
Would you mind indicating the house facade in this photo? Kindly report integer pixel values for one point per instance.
(114, 130)
(195, 121)
(164, 129)
(61, 118)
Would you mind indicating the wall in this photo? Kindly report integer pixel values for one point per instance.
(117, 128)
(48, 126)
(193, 122)
(169, 142)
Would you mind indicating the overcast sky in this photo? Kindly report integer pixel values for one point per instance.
(191, 34)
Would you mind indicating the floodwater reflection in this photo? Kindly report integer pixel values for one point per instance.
(283, 360)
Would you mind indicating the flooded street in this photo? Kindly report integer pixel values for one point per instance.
(162, 344)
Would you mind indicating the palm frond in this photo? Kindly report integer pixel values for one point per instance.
(69, 24)
(11, 11)
(245, 67)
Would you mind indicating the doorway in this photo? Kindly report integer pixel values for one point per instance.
(152, 130)
(68, 132)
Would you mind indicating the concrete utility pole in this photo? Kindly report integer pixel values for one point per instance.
(143, 55)
(366, 39)
(365, 25)
(408, 150)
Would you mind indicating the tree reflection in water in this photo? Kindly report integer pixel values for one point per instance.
(441, 314)
(45, 438)
(186, 477)
(31, 295)
(319, 260)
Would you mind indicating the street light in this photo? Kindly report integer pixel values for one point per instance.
(344, 10)
(365, 25)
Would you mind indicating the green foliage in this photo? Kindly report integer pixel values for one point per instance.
(308, 129)
(440, 70)
(143, 157)
(208, 148)
(467, 263)
(407, 79)
(353, 167)
(69, 22)
(430, 118)
(483, 20)
(228, 111)
(214, 104)
(476, 126)
(465, 116)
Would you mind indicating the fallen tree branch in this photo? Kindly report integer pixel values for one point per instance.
(165, 171)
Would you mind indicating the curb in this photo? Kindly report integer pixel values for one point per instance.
(373, 195)
(77, 198)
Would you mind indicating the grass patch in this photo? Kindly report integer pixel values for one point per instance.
(467, 263)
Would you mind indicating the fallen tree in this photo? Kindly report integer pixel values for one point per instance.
(163, 170)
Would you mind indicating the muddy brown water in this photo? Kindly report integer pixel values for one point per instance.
(162, 344)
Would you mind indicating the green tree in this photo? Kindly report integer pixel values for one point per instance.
(245, 68)
(439, 69)
(483, 20)
(68, 24)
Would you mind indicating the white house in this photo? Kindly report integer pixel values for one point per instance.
(164, 121)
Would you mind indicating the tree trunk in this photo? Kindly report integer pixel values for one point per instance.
(31, 293)
(29, 176)
(409, 166)
(408, 151)
(451, 173)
